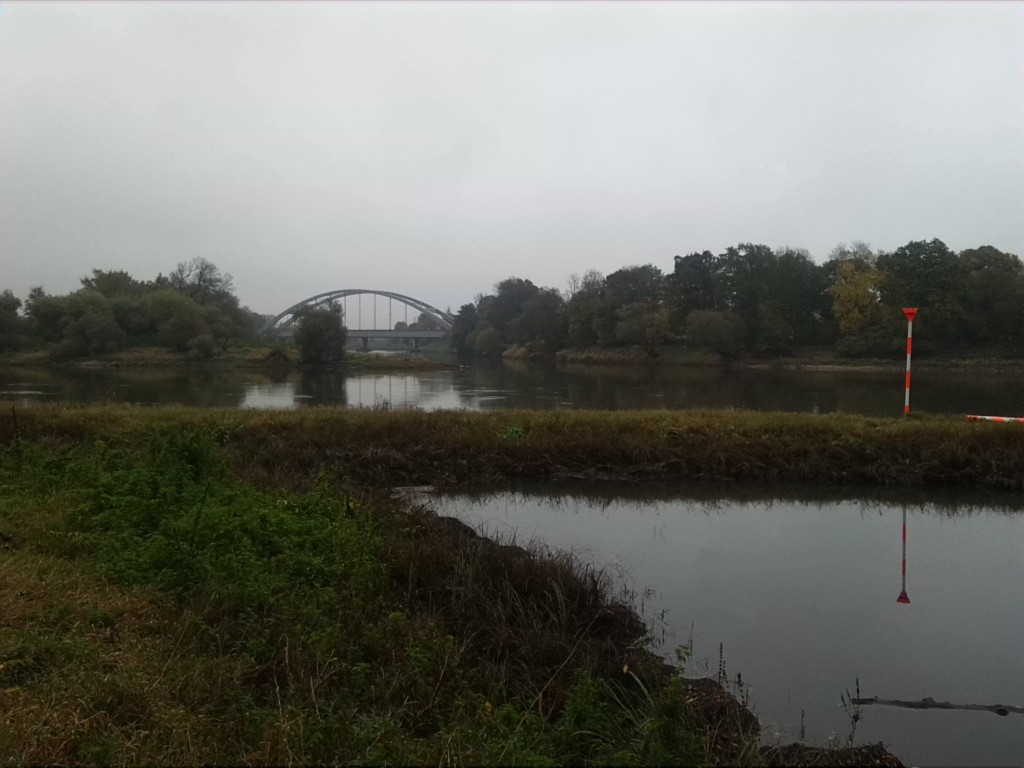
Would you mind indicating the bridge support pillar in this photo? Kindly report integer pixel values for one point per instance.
(366, 343)
(415, 345)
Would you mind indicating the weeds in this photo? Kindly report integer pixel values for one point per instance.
(851, 705)
(514, 433)
(317, 625)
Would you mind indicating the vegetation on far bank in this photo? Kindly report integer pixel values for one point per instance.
(752, 300)
(246, 356)
(748, 302)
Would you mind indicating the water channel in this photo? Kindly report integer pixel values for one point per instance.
(805, 596)
(488, 386)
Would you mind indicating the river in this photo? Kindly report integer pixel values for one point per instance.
(488, 386)
(806, 595)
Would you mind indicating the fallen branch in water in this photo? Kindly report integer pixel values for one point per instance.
(929, 703)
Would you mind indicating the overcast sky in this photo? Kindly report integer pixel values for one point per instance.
(435, 148)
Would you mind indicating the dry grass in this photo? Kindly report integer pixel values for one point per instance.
(94, 673)
(394, 448)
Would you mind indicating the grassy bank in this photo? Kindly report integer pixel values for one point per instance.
(238, 586)
(383, 449)
(159, 608)
(668, 356)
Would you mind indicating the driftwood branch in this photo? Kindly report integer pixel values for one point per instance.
(930, 703)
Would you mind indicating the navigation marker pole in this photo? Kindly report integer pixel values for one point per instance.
(911, 314)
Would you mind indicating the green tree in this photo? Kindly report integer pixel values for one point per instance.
(465, 322)
(637, 283)
(926, 275)
(800, 296)
(744, 283)
(320, 335)
(113, 283)
(486, 340)
(47, 315)
(507, 304)
(200, 280)
(645, 324)
(782, 298)
(585, 306)
(172, 319)
(691, 286)
(89, 325)
(12, 325)
(542, 323)
(518, 312)
(79, 323)
(721, 332)
(992, 297)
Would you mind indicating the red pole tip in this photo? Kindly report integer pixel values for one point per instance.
(903, 599)
(910, 312)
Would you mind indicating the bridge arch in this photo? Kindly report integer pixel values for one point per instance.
(282, 324)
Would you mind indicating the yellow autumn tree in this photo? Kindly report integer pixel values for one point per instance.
(855, 302)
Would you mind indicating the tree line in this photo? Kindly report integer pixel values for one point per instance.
(193, 309)
(753, 299)
(748, 300)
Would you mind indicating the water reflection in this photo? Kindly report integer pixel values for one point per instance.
(515, 384)
(798, 590)
(273, 395)
(903, 598)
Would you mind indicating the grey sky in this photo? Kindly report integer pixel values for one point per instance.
(436, 148)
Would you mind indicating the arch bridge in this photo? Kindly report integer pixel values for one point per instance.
(283, 325)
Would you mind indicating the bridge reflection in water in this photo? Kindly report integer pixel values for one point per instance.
(429, 323)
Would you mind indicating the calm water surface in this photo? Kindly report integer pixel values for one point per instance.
(489, 386)
(802, 597)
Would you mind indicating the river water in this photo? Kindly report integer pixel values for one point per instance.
(488, 386)
(801, 596)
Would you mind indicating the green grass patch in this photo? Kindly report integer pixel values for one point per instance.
(167, 609)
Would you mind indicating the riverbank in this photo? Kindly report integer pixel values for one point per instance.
(226, 586)
(807, 360)
(246, 358)
(159, 609)
(259, 357)
(381, 448)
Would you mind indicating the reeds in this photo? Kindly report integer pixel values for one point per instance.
(392, 448)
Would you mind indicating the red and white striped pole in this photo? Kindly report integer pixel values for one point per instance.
(911, 314)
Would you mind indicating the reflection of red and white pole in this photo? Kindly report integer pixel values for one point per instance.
(911, 314)
(903, 598)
